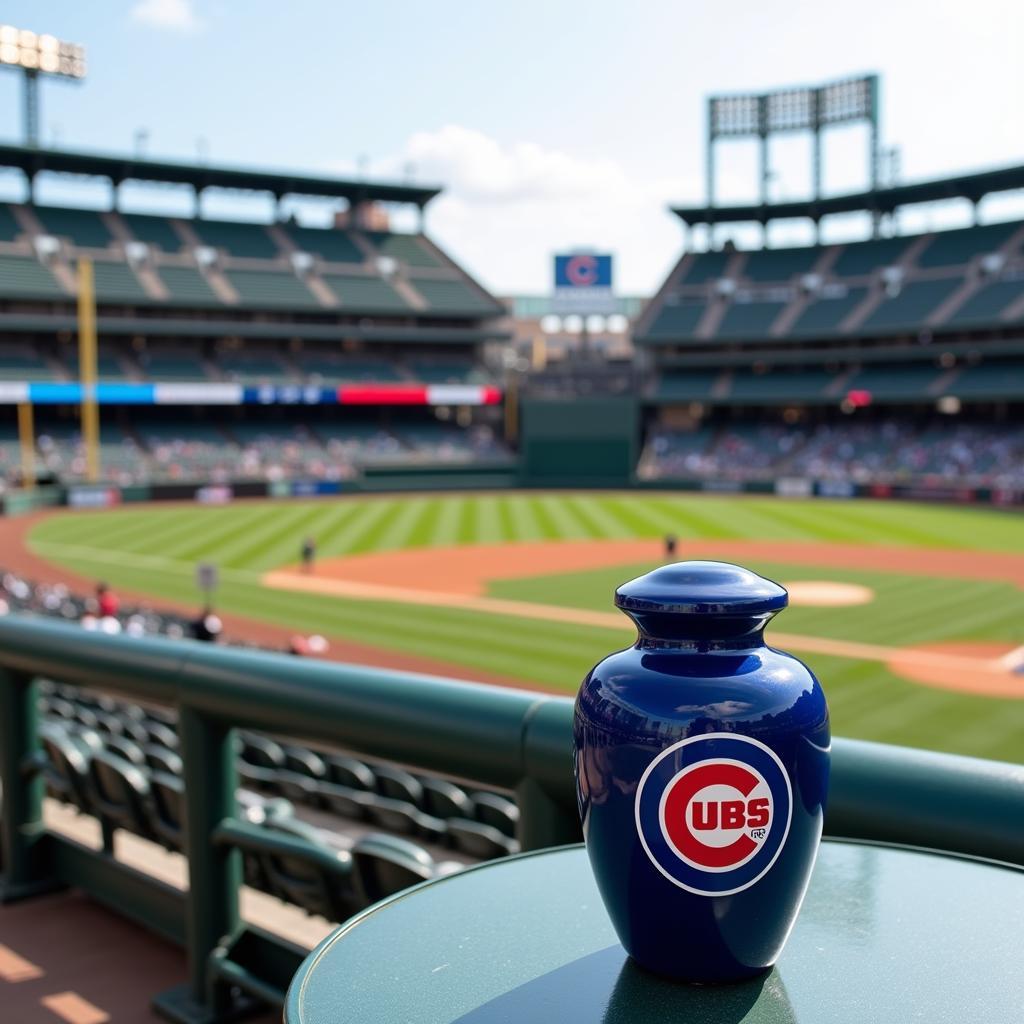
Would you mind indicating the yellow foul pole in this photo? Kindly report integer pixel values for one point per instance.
(87, 369)
(27, 437)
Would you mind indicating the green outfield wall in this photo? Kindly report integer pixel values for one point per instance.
(579, 442)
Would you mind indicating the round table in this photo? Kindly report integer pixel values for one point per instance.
(885, 934)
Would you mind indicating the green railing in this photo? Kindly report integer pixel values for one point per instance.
(492, 736)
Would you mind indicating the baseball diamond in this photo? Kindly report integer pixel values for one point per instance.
(513, 587)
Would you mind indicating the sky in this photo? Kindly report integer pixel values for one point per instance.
(551, 126)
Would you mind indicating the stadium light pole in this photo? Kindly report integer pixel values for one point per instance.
(34, 55)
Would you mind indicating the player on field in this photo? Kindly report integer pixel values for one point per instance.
(308, 554)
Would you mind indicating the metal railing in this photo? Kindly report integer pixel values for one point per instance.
(492, 736)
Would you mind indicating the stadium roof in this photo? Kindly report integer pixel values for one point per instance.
(973, 186)
(32, 160)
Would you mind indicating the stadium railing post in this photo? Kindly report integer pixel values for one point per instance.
(26, 867)
(211, 909)
(545, 795)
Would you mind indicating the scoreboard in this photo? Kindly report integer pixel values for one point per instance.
(583, 283)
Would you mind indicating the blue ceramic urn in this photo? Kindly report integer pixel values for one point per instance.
(701, 760)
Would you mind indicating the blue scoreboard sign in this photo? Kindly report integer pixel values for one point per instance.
(583, 283)
(583, 270)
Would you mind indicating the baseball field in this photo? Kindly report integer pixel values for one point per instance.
(911, 615)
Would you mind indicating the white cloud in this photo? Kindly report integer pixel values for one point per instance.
(506, 208)
(175, 15)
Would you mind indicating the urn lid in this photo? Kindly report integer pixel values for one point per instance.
(702, 588)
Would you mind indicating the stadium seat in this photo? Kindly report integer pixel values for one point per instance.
(481, 841)
(300, 789)
(348, 771)
(497, 811)
(398, 784)
(126, 749)
(445, 800)
(161, 733)
(346, 802)
(66, 769)
(303, 870)
(404, 818)
(261, 752)
(120, 795)
(167, 809)
(304, 762)
(384, 865)
(160, 759)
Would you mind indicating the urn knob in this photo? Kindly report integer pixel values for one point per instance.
(704, 603)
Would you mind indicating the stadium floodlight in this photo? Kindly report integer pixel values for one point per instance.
(812, 108)
(34, 55)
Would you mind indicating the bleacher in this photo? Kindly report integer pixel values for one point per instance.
(766, 265)
(259, 289)
(241, 247)
(331, 368)
(330, 244)
(83, 228)
(677, 320)
(164, 363)
(780, 385)
(20, 362)
(454, 297)
(989, 303)
(24, 277)
(10, 229)
(766, 297)
(911, 306)
(373, 294)
(236, 238)
(116, 282)
(252, 365)
(890, 449)
(406, 249)
(749, 319)
(688, 386)
(156, 231)
(825, 313)
(186, 286)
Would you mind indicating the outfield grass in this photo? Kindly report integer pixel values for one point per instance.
(155, 550)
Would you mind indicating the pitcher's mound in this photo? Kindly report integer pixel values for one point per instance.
(828, 593)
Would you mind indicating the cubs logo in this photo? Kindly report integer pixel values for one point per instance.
(581, 270)
(713, 812)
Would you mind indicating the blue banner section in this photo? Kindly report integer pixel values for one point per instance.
(125, 394)
(289, 395)
(70, 393)
(44, 393)
(583, 270)
(314, 488)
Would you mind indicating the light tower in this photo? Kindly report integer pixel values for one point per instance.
(34, 55)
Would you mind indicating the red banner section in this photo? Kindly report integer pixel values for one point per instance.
(418, 394)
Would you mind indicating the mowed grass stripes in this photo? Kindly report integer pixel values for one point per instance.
(155, 549)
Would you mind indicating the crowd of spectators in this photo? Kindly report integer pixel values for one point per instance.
(103, 611)
(271, 453)
(886, 450)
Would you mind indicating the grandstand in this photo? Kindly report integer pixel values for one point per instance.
(281, 311)
(893, 359)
